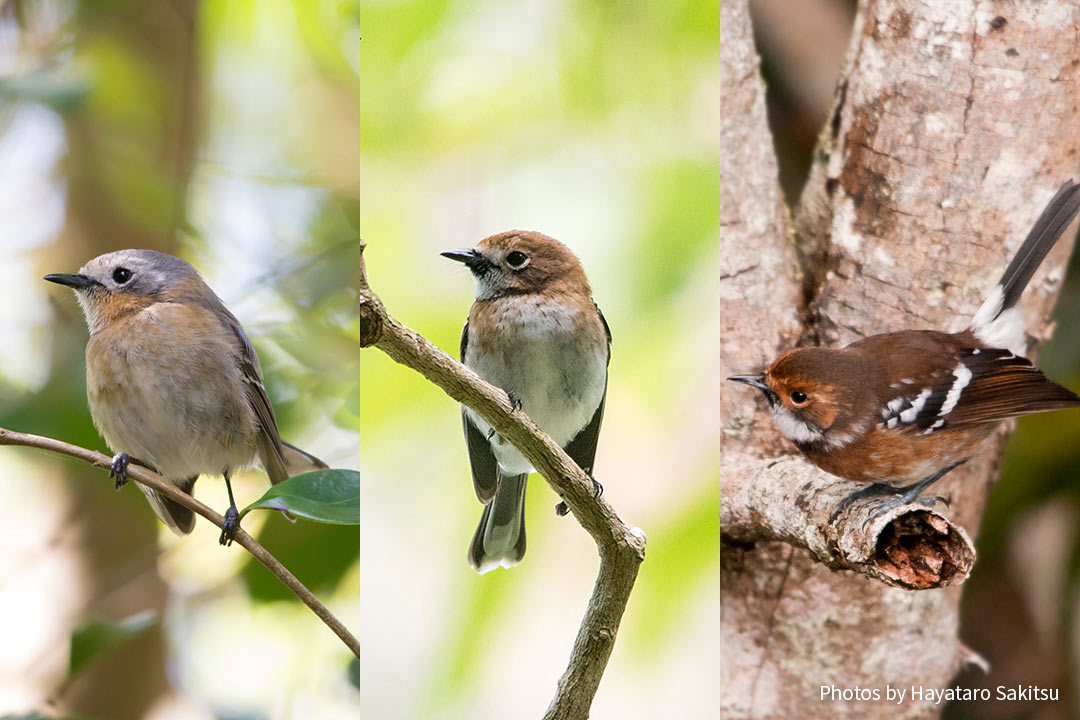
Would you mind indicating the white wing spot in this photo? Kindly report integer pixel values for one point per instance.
(963, 377)
(935, 426)
(912, 412)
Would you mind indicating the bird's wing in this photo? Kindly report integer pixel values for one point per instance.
(583, 447)
(481, 459)
(271, 453)
(985, 385)
(1002, 385)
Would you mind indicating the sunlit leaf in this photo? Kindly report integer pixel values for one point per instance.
(95, 638)
(329, 496)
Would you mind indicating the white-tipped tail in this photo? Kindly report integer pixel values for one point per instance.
(499, 540)
(997, 328)
(999, 323)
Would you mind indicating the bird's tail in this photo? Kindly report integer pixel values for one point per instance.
(997, 323)
(500, 538)
(298, 461)
(180, 519)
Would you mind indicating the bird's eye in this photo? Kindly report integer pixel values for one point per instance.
(517, 260)
(121, 275)
(798, 397)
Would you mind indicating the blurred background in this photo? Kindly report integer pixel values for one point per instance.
(260, 141)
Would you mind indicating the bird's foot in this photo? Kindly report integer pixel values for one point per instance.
(119, 469)
(871, 489)
(515, 401)
(927, 502)
(230, 526)
(562, 509)
(597, 488)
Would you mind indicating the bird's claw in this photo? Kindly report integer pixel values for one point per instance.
(562, 509)
(119, 469)
(598, 489)
(230, 526)
(515, 401)
(930, 502)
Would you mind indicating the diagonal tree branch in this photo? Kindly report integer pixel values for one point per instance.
(621, 546)
(151, 480)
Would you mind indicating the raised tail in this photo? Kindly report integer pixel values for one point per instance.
(499, 540)
(998, 323)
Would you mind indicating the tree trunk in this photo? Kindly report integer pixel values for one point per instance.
(952, 127)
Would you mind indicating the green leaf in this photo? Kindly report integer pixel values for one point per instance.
(95, 638)
(329, 496)
(354, 673)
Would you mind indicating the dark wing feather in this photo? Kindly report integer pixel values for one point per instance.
(1004, 385)
(269, 441)
(583, 447)
(481, 459)
(1001, 386)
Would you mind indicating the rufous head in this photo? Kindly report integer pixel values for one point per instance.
(521, 262)
(814, 394)
(120, 281)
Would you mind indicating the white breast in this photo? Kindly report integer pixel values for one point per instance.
(541, 361)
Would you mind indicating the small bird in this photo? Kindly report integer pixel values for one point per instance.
(534, 331)
(173, 383)
(902, 409)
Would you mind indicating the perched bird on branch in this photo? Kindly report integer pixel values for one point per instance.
(900, 410)
(173, 383)
(534, 331)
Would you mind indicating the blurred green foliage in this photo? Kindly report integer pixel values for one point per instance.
(96, 637)
(262, 140)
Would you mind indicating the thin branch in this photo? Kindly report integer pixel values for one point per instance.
(910, 546)
(621, 546)
(151, 480)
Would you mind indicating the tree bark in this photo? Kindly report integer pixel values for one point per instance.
(953, 125)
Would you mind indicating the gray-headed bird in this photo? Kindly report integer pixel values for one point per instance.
(173, 382)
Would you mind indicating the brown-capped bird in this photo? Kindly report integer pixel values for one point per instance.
(535, 332)
(900, 410)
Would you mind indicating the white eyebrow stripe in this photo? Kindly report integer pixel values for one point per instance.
(963, 377)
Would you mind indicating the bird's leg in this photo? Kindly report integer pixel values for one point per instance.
(902, 495)
(562, 509)
(119, 468)
(232, 517)
(910, 493)
(515, 401)
(597, 488)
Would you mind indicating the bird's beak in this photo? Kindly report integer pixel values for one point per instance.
(75, 282)
(757, 381)
(473, 258)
